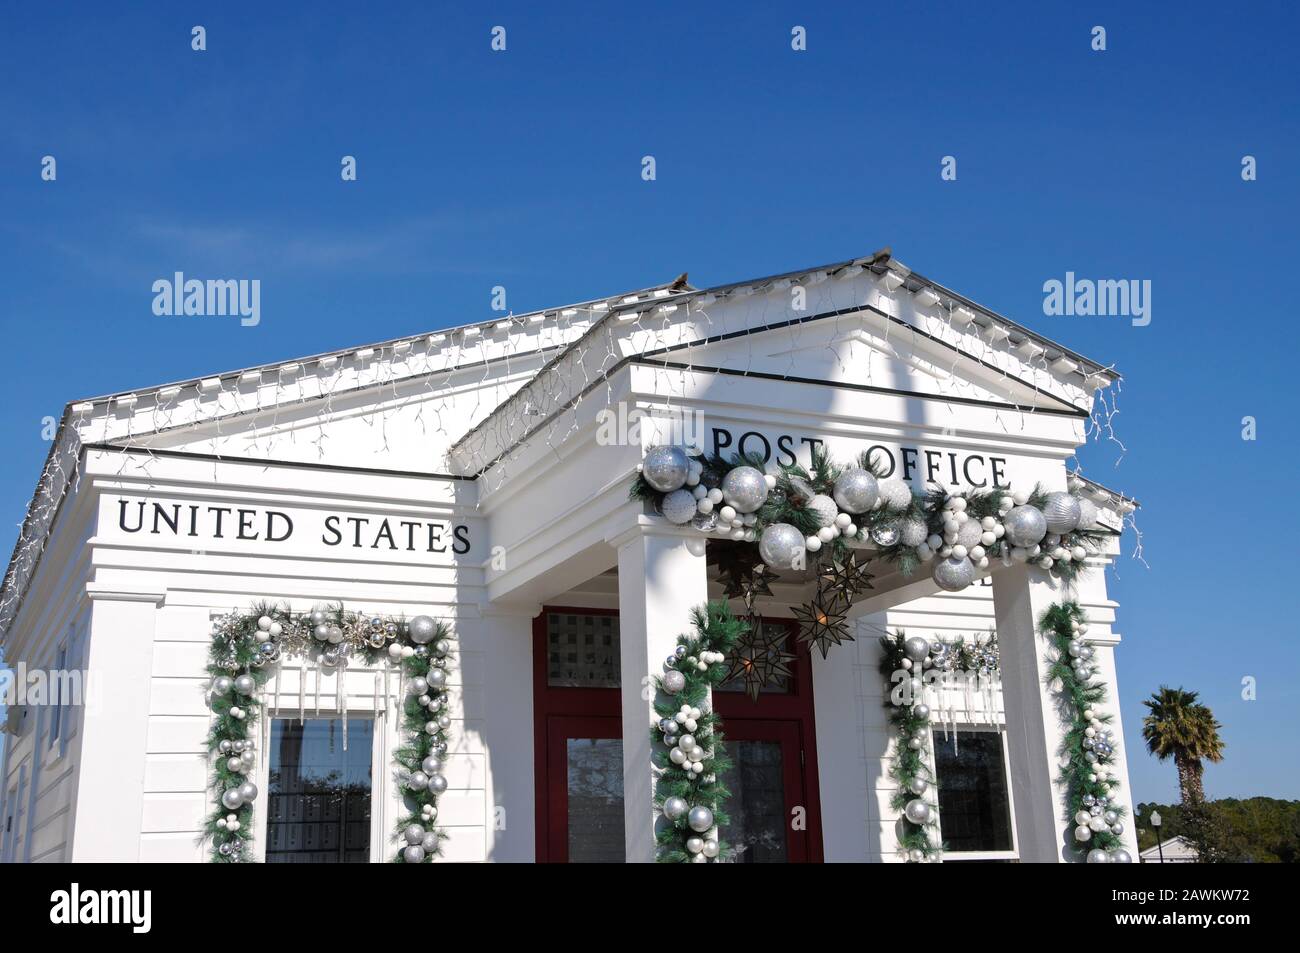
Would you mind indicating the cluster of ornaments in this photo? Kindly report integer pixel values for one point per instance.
(686, 753)
(421, 841)
(1097, 815)
(919, 654)
(960, 552)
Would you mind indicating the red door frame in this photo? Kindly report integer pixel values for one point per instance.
(589, 709)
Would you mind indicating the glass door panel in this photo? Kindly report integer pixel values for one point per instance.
(595, 792)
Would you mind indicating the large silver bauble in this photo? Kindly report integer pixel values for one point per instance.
(674, 681)
(913, 532)
(917, 811)
(969, 533)
(886, 534)
(437, 783)
(430, 842)
(781, 545)
(422, 629)
(700, 819)
(1026, 526)
(413, 854)
(1098, 856)
(744, 489)
(413, 834)
(1061, 510)
(430, 767)
(675, 808)
(954, 574)
(248, 791)
(222, 684)
(245, 684)
(895, 494)
(436, 678)
(1087, 514)
(679, 506)
(918, 785)
(231, 800)
(916, 648)
(418, 781)
(666, 468)
(823, 509)
(856, 491)
(1120, 856)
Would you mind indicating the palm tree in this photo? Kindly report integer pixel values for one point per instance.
(1181, 727)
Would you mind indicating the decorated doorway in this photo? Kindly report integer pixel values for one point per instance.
(578, 733)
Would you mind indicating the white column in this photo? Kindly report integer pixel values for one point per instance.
(115, 725)
(1035, 729)
(659, 582)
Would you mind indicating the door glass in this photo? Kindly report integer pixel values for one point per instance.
(319, 794)
(756, 834)
(595, 770)
(582, 650)
(973, 802)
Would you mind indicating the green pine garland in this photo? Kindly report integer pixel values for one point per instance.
(1089, 784)
(699, 660)
(787, 503)
(243, 650)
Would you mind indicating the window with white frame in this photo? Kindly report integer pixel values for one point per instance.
(975, 809)
(59, 689)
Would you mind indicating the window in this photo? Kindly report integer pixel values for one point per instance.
(974, 798)
(58, 689)
(582, 650)
(318, 794)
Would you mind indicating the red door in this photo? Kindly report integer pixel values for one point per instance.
(579, 769)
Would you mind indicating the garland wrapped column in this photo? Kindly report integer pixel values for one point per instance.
(689, 793)
(1089, 744)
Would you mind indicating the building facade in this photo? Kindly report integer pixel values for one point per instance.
(480, 476)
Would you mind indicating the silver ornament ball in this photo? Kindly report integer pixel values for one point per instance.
(679, 506)
(895, 494)
(1098, 856)
(954, 573)
(422, 629)
(917, 811)
(913, 532)
(916, 648)
(744, 489)
(1088, 514)
(675, 808)
(1025, 526)
(666, 468)
(1061, 510)
(856, 490)
(413, 854)
(674, 681)
(781, 545)
(700, 819)
(823, 509)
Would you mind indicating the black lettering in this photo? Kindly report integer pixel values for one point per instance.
(246, 524)
(909, 461)
(220, 511)
(965, 469)
(331, 527)
(930, 465)
(270, 526)
(813, 442)
(357, 522)
(767, 447)
(718, 444)
(436, 545)
(997, 463)
(411, 526)
(461, 534)
(783, 445)
(121, 518)
(952, 463)
(160, 513)
(385, 532)
(194, 521)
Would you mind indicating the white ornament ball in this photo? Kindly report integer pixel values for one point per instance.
(679, 506)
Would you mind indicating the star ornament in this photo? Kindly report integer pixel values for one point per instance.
(760, 659)
(847, 577)
(824, 621)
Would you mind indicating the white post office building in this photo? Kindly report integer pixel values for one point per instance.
(468, 475)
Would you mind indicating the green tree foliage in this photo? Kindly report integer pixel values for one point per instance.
(1254, 830)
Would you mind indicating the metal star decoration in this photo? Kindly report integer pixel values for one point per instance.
(823, 621)
(760, 658)
(848, 577)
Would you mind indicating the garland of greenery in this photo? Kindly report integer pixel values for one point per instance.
(902, 662)
(907, 528)
(244, 648)
(689, 751)
(1089, 745)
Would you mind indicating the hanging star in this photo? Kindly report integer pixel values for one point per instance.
(823, 621)
(743, 577)
(847, 577)
(760, 658)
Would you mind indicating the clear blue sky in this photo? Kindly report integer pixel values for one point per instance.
(523, 169)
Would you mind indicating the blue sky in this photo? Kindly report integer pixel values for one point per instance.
(523, 169)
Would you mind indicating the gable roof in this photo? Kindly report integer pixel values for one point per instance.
(587, 320)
